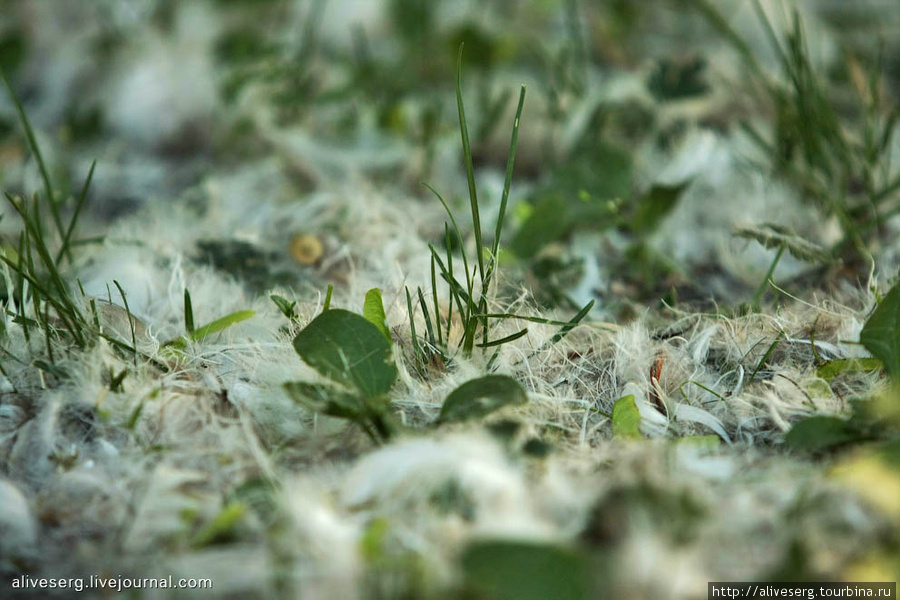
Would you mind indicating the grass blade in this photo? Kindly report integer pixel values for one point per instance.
(437, 309)
(766, 356)
(66, 241)
(328, 294)
(428, 326)
(209, 329)
(130, 318)
(32, 142)
(417, 352)
(510, 163)
(188, 312)
(565, 329)
(470, 167)
(501, 341)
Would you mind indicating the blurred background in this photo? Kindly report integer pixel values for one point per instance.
(623, 98)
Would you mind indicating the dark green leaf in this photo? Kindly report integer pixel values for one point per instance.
(480, 397)
(549, 221)
(881, 333)
(349, 350)
(511, 570)
(820, 433)
(324, 399)
(654, 206)
(626, 418)
(188, 312)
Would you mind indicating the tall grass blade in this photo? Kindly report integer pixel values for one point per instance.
(32, 142)
(510, 163)
(470, 166)
(66, 242)
(130, 318)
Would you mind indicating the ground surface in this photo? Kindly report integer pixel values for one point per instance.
(668, 156)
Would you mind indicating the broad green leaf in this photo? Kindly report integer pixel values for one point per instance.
(654, 206)
(833, 368)
(480, 397)
(512, 570)
(821, 433)
(324, 399)
(373, 311)
(349, 350)
(626, 418)
(881, 333)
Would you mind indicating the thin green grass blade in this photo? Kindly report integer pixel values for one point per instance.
(458, 232)
(761, 290)
(66, 241)
(429, 328)
(437, 309)
(130, 318)
(20, 285)
(32, 142)
(328, 295)
(565, 329)
(36, 242)
(766, 356)
(470, 167)
(510, 163)
(417, 352)
(505, 340)
(702, 387)
(188, 312)
(210, 329)
(450, 293)
(770, 33)
(457, 293)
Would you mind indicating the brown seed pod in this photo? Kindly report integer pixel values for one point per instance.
(306, 248)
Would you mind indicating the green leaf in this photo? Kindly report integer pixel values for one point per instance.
(325, 399)
(626, 418)
(209, 329)
(286, 308)
(223, 527)
(511, 570)
(707, 442)
(881, 333)
(654, 206)
(373, 311)
(480, 397)
(573, 322)
(820, 433)
(549, 221)
(188, 312)
(349, 350)
(831, 369)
